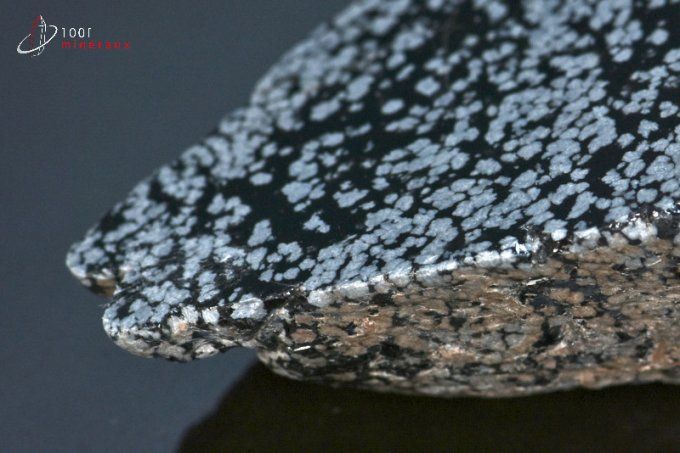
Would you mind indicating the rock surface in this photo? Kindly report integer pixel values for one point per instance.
(443, 197)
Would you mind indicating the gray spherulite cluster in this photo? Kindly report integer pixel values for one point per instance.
(438, 197)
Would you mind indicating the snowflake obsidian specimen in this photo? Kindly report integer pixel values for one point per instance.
(438, 197)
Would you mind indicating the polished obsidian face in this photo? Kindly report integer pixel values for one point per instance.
(404, 137)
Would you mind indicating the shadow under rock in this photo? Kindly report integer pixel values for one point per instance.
(267, 412)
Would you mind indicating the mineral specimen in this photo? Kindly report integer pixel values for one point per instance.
(438, 197)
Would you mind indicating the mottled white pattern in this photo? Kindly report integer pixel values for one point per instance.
(398, 139)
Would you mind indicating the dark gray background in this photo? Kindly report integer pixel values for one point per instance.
(78, 130)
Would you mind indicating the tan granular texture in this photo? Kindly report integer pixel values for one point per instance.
(603, 317)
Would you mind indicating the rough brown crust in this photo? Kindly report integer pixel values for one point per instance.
(604, 317)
